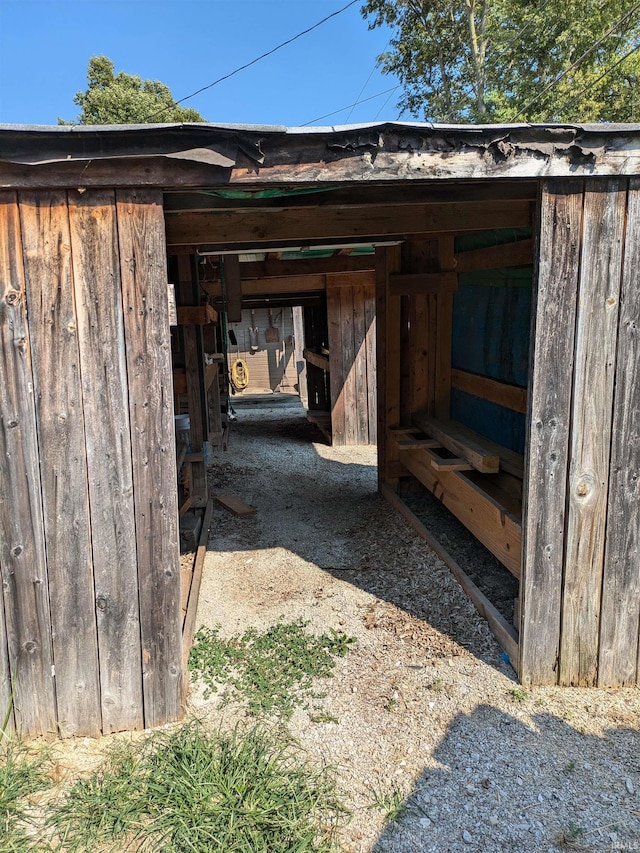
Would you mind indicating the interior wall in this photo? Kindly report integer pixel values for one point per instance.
(90, 631)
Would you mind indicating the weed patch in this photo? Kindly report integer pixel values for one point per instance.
(272, 671)
(22, 774)
(189, 791)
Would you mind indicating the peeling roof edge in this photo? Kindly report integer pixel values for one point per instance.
(599, 128)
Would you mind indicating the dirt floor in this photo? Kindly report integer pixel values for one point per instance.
(424, 711)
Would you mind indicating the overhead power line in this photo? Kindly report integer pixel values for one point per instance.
(349, 106)
(257, 59)
(601, 77)
(577, 62)
(366, 83)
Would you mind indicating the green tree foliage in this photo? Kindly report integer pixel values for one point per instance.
(126, 99)
(492, 60)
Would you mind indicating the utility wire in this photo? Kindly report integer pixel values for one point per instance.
(601, 77)
(254, 61)
(386, 101)
(355, 104)
(577, 62)
(361, 92)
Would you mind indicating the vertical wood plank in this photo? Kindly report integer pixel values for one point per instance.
(6, 700)
(370, 341)
(345, 291)
(387, 261)
(336, 378)
(596, 335)
(620, 612)
(444, 301)
(406, 352)
(148, 346)
(360, 364)
(22, 540)
(56, 370)
(194, 369)
(96, 273)
(548, 429)
(419, 354)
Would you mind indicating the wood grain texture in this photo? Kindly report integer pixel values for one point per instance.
(518, 253)
(228, 227)
(143, 267)
(444, 331)
(97, 289)
(348, 369)
(6, 699)
(22, 538)
(336, 384)
(370, 343)
(360, 365)
(381, 362)
(595, 354)
(510, 396)
(620, 611)
(233, 288)
(194, 370)
(56, 370)
(490, 522)
(548, 430)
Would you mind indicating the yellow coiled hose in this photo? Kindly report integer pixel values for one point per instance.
(239, 374)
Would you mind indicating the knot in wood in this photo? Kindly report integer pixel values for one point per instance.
(583, 489)
(12, 297)
(16, 551)
(30, 646)
(101, 603)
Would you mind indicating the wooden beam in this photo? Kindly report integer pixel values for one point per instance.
(321, 361)
(305, 266)
(486, 518)
(189, 626)
(460, 442)
(444, 332)
(406, 284)
(503, 394)
(501, 629)
(231, 227)
(516, 254)
(196, 315)
(455, 436)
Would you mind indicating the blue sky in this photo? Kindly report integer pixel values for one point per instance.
(45, 46)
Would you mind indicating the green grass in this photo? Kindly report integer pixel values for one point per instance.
(188, 791)
(272, 671)
(391, 802)
(22, 774)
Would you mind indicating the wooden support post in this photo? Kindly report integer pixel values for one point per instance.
(233, 288)
(194, 368)
(619, 618)
(592, 405)
(388, 261)
(548, 430)
(442, 407)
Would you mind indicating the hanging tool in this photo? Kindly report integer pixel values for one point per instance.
(272, 334)
(253, 333)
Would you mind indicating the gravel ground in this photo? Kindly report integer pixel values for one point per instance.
(427, 713)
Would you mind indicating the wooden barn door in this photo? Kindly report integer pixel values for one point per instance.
(88, 516)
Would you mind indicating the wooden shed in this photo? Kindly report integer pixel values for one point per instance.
(504, 265)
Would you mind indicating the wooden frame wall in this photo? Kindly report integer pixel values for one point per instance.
(90, 639)
(581, 602)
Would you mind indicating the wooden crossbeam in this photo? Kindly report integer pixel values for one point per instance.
(229, 227)
(462, 442)
(407, 284)
(517, 254)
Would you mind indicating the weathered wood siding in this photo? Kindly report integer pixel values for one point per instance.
(581, 596)
(351, 321)
(90, 640)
